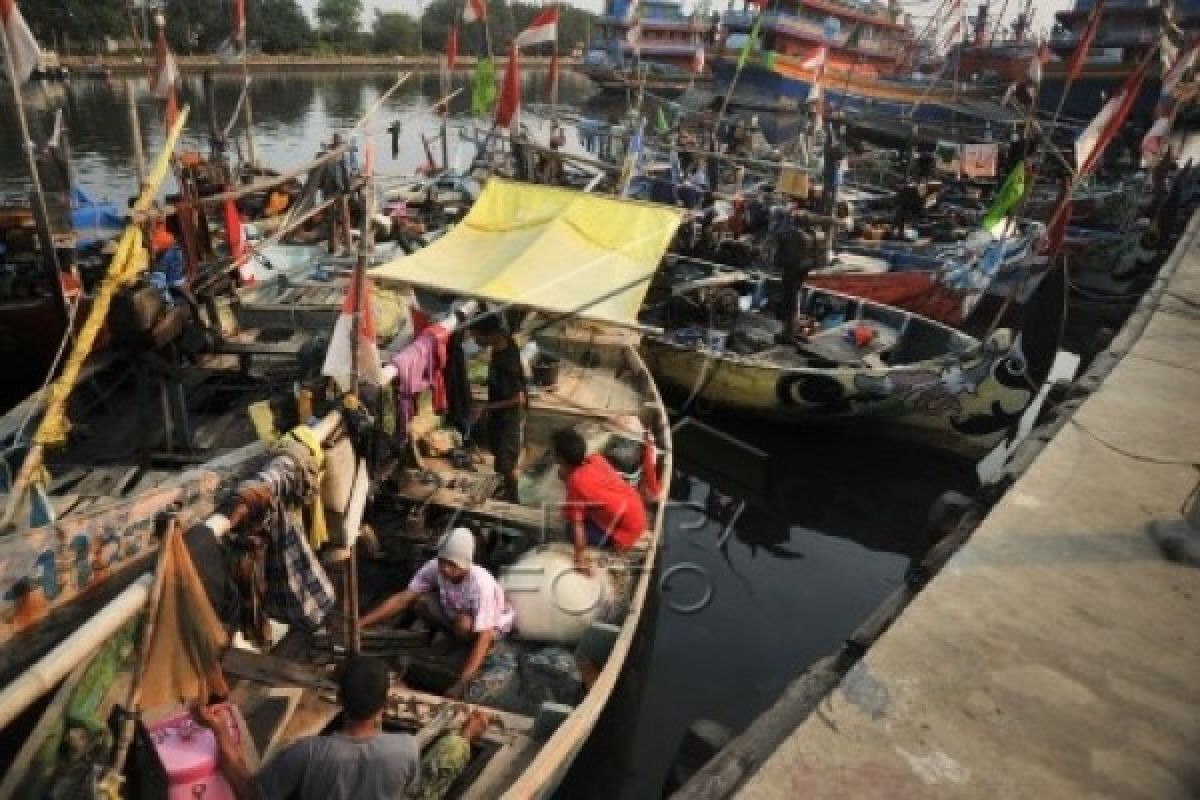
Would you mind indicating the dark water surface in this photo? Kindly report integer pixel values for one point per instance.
(820, 537)
(293, 115)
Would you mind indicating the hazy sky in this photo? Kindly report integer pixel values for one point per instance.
(1043, 9)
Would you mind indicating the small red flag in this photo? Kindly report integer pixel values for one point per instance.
(451, 47)
(1075, 64)
(508, 109)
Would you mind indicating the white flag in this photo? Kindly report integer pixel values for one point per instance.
(22, 47)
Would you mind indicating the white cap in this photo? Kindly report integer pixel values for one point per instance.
(458, 547)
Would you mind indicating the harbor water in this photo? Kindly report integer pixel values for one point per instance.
(759, 577)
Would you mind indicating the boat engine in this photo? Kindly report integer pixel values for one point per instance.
(145, 317)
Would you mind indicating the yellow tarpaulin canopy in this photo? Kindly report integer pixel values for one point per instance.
(556, 250)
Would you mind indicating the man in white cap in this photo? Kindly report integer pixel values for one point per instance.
(453, 594)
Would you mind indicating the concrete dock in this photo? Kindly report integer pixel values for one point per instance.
(1058, 653)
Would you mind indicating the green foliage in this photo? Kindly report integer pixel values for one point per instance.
(506, 20)
(80, 25)
(395, 33)
(281, 26)
(274, 26)
(340, 20)
(278, 26)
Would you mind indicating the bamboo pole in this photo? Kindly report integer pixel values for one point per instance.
(133, 702)
(58, 663)
(31, 161)
(135, 127)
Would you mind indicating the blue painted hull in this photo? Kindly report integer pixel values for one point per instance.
(759, 86)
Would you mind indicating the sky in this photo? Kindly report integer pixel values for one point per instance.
(1043, 9)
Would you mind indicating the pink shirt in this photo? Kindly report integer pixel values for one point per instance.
(478, 595)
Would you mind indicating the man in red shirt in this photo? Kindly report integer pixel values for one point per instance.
(602, 510)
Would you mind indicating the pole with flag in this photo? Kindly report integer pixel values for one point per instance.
(743, 56)
(21, 57)
(1078, 59)
(544, 30)
(239, 31)
(508, 109)
(477, 11)
(166, 73)
(1100, 132)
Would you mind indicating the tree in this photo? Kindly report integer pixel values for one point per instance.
(77, 23)
(396, 33)
(340, 20)
(278, 26)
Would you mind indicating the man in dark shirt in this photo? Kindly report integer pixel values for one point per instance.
(506, 400)
(359, 761)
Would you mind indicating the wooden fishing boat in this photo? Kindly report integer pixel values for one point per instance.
(864, 362)
(598, 384)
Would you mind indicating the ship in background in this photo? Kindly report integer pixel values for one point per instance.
(1128, 30)
(995, 52)
(869, 75)
(665, 52)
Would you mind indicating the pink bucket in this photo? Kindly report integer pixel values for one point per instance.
(188, 753)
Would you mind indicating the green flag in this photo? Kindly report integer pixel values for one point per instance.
(660, 122)
(1009, 195)
(751, 40)
(483, 87)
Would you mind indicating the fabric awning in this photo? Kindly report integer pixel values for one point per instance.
(555, 250)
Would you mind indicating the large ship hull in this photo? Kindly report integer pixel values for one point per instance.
(1092, 89)
(781, 83)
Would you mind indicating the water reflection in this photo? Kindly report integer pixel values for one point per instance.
(780, 575)
(293, 115)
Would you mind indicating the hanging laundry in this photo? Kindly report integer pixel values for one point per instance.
(458, 384)
(298, 591)
(188, 637)
(418, 368)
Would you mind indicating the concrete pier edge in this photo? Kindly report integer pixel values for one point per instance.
(950, 702)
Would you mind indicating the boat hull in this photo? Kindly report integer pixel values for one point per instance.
(781, 81)
(918, 291)
(961, 404)
(1090, 90)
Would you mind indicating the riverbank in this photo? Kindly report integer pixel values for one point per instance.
(130, 67)
(1055, 654)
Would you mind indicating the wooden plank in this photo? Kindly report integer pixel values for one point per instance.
(273, 671)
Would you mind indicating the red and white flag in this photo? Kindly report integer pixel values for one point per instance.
(1155, 138)
(508, 107)
(22, 47)
(1075, 64)
(234, 47)
(1090, 145)
(816, 60)
(166, 74)
(476, 11)
(698, 60)
(343, 349)
(1185, 62)
(543, 29)
(1039, 60)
